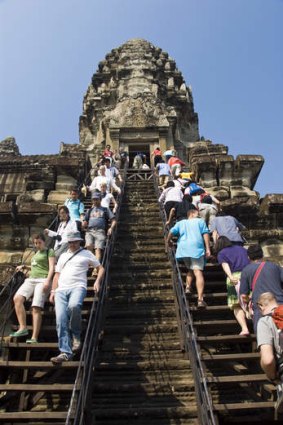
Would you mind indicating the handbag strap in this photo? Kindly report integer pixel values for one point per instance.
(72, 256)
(257, 273)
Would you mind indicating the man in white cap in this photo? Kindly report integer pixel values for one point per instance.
(68, 291)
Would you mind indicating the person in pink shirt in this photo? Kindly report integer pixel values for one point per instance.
(176, 165)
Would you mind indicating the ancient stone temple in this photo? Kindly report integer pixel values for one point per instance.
(137, 100)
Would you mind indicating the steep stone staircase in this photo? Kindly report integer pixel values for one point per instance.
(142, 376)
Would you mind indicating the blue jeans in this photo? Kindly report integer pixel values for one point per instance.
(68, 305)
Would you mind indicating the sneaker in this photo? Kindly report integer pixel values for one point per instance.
(31, 341)
(17, 334)
(63, 357)
(201, 304)
(76, 345)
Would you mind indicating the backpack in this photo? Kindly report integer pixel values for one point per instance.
(277, 317)
(195, 189)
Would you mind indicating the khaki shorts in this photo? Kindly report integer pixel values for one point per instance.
(194, 263)
(95, 237)
(33, 287)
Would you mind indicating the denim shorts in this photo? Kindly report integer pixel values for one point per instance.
(194, 263)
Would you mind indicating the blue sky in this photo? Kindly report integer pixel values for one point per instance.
(229, 51)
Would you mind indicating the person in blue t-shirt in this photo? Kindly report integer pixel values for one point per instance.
(163, 171)
(192, 247)
(75, 206)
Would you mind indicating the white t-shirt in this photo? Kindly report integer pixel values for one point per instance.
(73, 273)
(63, 229)
(106, 200)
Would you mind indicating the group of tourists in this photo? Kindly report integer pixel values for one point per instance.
(60, 273)
(254, 286)
(193, 215)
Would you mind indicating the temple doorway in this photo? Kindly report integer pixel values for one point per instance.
(135, 149)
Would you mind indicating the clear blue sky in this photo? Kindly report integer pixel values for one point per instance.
(229, 51)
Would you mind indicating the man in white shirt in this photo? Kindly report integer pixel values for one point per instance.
(69, 289)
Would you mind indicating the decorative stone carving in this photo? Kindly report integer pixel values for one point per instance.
(143, 94)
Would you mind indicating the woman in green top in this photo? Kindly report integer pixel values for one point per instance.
(37, 286)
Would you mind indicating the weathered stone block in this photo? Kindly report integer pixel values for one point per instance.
(13, 237)
(11, 257)
(221, 193)
(206, 170)
(248, 168)
(226, 171)
(240, 205)
(65, 183)
(271, 203)
(241, 192)
(272, 248)
(37, 195)
(58, 196)
(36, 208)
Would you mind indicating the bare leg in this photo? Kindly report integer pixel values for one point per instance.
(189, 279)
(98, 253)
(20, 311)
(170, 218)
(199, 283)
(89, 247)
(36, 322)
(241, 319)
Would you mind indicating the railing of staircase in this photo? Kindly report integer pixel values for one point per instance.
(79, 412)
(205, 408)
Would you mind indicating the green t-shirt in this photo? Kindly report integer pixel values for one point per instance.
(40, 264)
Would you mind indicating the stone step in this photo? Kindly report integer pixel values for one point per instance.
(147, 257)
(139, 275)
(149, 286)
(139, 312)
(131, 266)
(158, 330)
(136, 250)
(144, 413)
(148, 401)
(149, 301)
(142, 356)
(146, 388)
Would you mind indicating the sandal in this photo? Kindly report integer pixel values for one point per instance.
(188, 290)
(201, 305)
(23, 332)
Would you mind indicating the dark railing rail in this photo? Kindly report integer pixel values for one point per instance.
(188, 335)
(81, 395)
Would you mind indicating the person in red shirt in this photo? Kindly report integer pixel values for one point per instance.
(176, 165)
(157, 154)
(108, 153)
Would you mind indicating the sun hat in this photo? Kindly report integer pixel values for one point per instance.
(74, 236)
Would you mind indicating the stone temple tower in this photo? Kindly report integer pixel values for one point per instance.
(138, 100)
